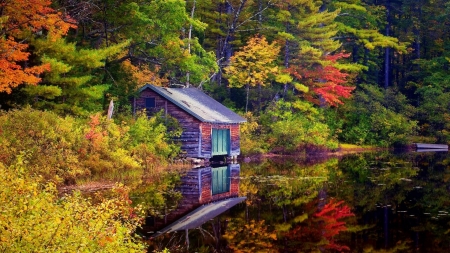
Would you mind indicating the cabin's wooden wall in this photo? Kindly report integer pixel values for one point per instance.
(190, 137)
(139, 102)
(206, 131)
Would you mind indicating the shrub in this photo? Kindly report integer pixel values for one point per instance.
(251, 141)
(290, 128)
(377, 117)
(69, 149)
(34, 219)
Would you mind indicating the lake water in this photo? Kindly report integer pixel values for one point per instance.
(370, 202)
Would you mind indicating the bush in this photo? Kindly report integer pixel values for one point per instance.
(251, 141)
(69, 149)
(377, 117)
(34, 219)
(288, 128)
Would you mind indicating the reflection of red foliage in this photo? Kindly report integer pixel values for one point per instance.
(320, 230)
(331, 215)
(327, 81)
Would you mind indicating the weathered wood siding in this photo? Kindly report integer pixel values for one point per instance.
(190, 137)
(139, 102)
(206, 142)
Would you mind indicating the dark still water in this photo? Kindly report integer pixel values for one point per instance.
(358, 203)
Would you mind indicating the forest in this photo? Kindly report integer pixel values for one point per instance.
(307, 75)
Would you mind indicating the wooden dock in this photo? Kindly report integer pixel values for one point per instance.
(428, 146)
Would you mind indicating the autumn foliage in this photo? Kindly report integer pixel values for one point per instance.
(321, 230)
(21, 21)
(325, 80)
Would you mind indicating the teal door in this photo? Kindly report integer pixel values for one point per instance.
(220, 180)
(220, 141)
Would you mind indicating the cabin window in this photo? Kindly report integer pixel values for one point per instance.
(150, 103)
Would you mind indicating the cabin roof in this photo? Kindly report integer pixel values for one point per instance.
(201, 215)
(198, 104)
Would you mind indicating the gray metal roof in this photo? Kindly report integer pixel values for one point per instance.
(198, 104)
(201, 215)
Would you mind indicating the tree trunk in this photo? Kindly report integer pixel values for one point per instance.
(286, 59)
(387, 53)
(247, 89)
(189, 42)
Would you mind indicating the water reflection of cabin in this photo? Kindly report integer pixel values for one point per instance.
(209, 128)
(207, 192)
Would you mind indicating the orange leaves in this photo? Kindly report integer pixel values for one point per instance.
(34, 16)
(95, 134)
(142, 74)
(11, 73)
(22, 19)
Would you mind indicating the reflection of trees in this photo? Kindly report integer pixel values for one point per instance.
(286, 196)
(319, 232)
(158, 196)
(371, 181)
(281, 187)
(400, 205)
(401, 200)
(253, 236)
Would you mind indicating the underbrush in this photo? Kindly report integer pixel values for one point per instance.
(66, 150)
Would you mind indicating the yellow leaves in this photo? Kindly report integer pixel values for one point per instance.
(254, 64)
(283, 78)
(42, 222)
(301, 87)
(142, 74)
(300, 218)
(251, 237)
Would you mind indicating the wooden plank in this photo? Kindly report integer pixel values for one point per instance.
(431, 146)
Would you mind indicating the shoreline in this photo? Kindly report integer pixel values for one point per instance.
(342, 151)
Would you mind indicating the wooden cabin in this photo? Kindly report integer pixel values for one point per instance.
(209, 128)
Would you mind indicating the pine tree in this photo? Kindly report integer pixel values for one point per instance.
(74, 84)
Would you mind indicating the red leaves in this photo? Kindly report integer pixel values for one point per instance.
(322, 229)
(331, 215)
(325, 80)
